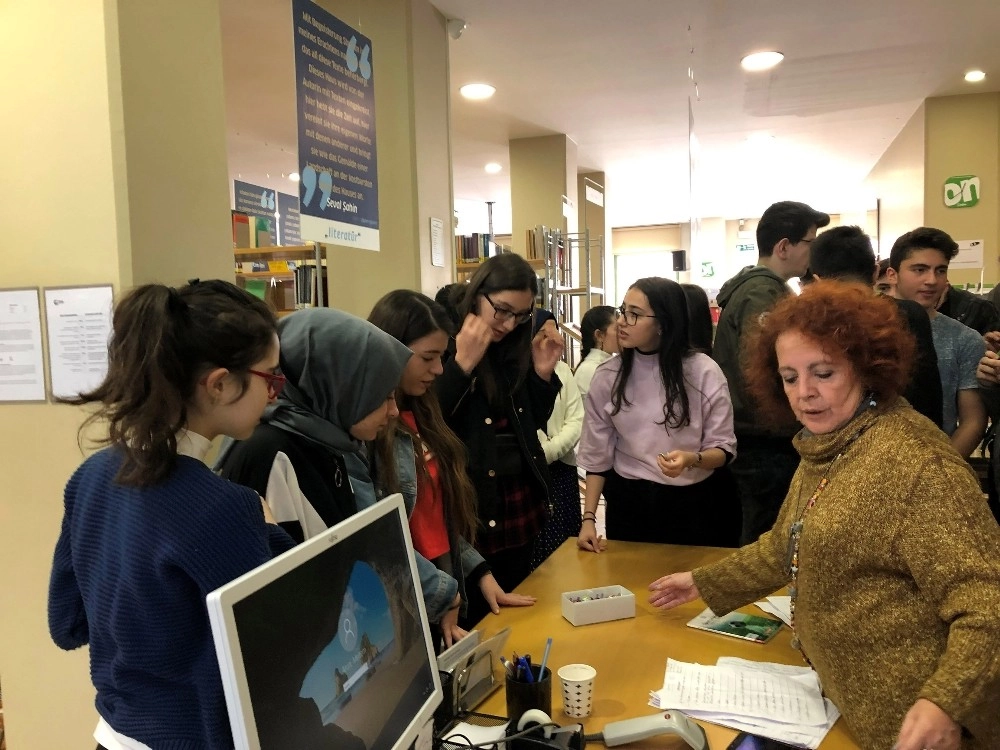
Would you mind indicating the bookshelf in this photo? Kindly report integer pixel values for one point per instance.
(573, 264)
(278, 281)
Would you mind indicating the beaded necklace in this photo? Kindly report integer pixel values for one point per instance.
(795, 533)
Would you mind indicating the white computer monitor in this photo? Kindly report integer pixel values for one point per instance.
(328, 645)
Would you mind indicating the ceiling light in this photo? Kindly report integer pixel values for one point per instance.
(294, 177)
(492, 168)
(975, 76)
(477, 91)
(761, 60)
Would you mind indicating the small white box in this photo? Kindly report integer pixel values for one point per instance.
(600, 604)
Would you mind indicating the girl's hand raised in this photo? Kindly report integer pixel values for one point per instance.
(472, 342)
(546, 349)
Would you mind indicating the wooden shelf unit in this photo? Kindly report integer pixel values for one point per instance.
(313, 254)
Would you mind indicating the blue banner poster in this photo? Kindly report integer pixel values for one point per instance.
(288, 220)
(257, 201)
(335, 89)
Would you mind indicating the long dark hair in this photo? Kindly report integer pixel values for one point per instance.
(505, 272)
(669, 305)
(407, 316)
(595, 319)
(162, 341)
(699, 318)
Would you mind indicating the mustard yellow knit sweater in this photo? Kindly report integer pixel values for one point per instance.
(899, 577)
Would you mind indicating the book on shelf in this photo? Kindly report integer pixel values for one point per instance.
(473, 248)
(738, 625)
(261, 232)
(241, 229)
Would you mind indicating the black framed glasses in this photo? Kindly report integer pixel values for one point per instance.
(275, 383)
(629, 316)
(502, 313)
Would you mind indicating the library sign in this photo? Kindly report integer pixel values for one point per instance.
(338, 165)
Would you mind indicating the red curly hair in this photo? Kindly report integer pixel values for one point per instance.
(848, 321)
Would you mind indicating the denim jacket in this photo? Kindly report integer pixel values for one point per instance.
(439, 588)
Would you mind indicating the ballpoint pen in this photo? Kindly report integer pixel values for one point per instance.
(545, 658)
(528, 676)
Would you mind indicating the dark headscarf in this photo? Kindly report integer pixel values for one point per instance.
(539, 318)
(339, 368)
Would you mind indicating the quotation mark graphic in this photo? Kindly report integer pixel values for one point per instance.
(311, 179)
(325, 187)
(309, 183)
(267, 200)
(364, 63)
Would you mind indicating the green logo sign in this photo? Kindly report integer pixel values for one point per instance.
(961, 191)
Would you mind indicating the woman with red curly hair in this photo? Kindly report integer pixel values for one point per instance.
(884, 539)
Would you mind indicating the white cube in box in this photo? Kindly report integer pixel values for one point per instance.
(600, 604)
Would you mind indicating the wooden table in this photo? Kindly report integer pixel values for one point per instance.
(630, 655)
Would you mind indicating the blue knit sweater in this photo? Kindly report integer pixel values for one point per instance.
(131, 571)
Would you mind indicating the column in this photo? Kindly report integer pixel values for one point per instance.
(962, 137)
(410, 62)
(113, 171)
(542, 182)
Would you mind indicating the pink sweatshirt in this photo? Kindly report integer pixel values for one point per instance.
(630, 440)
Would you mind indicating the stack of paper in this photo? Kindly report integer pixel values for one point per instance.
(778, 701)
(781, 606)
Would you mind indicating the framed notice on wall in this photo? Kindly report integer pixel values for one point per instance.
(22, 363)
(78, 322)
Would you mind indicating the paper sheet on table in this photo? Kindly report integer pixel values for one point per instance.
(783, 702)
(779, 606)
(465, 734)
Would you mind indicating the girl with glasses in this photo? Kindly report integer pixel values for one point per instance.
(496, 391)
(658, 431)
(308, 455)
(148, 529)
(419, 456)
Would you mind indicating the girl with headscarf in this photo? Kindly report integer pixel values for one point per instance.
(307, 457)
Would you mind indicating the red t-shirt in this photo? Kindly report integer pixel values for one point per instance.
(427, 526)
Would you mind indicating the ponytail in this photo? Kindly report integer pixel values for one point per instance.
(162, 341)
(596, 319)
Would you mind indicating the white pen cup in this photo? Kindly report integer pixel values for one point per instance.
(577, 689)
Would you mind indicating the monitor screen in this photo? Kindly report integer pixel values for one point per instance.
(328, 646)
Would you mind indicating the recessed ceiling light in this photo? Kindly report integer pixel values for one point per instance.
(294, 177)
(493, 167)
(761, 60)
(975, 76)
(477, 91)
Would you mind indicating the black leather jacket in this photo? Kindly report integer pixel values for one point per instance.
(971, 309)
(467, 411)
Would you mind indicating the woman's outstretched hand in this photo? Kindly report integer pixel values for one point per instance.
(673, 590)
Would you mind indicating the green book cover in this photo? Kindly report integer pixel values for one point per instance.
(257, 287)
(738, 625)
